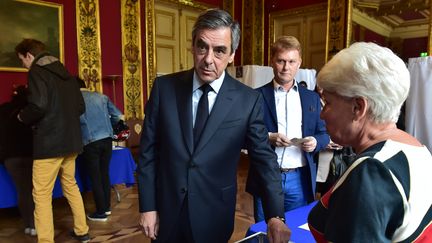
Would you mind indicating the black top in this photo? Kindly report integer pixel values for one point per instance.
(16, 138)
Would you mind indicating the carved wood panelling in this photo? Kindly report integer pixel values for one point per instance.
(166, 56)
(307, 25)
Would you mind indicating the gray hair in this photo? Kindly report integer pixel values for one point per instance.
(370, 71)
(215, 19)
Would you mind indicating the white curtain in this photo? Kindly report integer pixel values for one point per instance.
(307, 75)
(418, 114)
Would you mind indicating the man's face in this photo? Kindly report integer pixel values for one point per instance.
(212, 53)
(285, 65)
(26, 60)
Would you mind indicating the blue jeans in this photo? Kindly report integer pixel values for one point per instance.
(296, 188)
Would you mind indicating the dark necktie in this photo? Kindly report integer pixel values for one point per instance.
(202, 112)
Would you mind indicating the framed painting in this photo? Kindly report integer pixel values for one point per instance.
(29, 19)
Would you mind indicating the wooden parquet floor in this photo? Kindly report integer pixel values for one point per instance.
(122, 224)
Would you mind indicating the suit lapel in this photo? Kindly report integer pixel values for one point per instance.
(224, 101)
(307, 108)
(269, 98)
(184, 107)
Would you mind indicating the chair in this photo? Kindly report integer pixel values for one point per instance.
(133, 142)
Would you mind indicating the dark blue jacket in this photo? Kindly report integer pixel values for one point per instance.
(312, 125)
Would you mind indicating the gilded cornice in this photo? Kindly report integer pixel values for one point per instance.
(187, 4)
(89, 47)
(131, 56)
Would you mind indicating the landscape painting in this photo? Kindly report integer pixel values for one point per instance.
(29, 19)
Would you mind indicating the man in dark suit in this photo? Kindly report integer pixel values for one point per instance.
(296, 132)
(187, 178)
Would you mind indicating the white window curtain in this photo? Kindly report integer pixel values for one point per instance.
(418, 114)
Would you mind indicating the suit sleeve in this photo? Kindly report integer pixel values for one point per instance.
(264, 172)
(320, 130)
(148, 155)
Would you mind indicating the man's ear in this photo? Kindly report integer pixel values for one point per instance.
(231, 58)
(360, 106)
(29, 55)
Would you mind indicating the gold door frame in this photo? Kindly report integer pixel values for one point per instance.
(150, 35)
(339, 16)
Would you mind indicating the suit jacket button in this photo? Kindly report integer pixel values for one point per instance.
(192, 165)
(184, 190)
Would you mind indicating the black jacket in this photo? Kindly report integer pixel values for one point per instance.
(16, 137)
(54, 106)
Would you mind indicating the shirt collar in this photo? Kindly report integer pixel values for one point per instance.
(216, 84)
(278, 87)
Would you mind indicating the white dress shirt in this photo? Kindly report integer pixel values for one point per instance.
(197, 93)
(289, 117)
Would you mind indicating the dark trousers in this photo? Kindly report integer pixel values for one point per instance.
(20, 169)
(96, 158)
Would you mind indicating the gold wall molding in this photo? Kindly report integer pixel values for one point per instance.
(228, 5)
(131, 57)
(253, 32)
(150, 44)
(150, 32)
(88, 40)
(338, 26)
(430, 31)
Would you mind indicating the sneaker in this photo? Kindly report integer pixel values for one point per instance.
(30, 231)
(97, 217)
(33, 232)
(107, 213)
(82, 238)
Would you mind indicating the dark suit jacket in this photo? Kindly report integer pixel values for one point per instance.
(312, 125)
(170, 167)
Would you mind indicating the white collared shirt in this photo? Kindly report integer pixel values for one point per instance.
(196, 93)
(289, 117)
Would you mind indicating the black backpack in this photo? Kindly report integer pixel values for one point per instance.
(341, 160)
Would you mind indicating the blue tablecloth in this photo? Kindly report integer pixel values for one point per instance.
(122, 168)
(294, 219)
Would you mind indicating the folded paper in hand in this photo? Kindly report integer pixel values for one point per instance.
(298, 141)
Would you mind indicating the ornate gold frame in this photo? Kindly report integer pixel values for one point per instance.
(40, 36)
